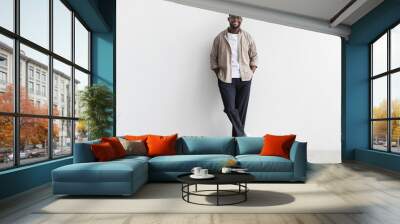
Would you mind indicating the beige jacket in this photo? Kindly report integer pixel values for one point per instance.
(220, 56)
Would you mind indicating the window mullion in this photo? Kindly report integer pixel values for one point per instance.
(50, 77)
(389, 104)
(16, 84)
(89, 57)
(73, 82)
(371, 142)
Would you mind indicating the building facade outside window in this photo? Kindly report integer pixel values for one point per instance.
(3, 78)
(30, 72)
(3, 72)
(3, 61)
(30, 87)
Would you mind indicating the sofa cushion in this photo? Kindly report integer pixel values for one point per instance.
(103, 152)
(185, 163)
(133, 158)
(83, 152)
(159, 145)
(134, 147)
(249, 145)
(136, 137)
(257, 163)
(116, 145)
(277, 145)
(111, 171)
(197, 145)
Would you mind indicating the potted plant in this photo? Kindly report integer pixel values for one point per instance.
(96, 102)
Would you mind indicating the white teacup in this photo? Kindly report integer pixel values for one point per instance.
(226, 170)
(196, 171)
(203, 172)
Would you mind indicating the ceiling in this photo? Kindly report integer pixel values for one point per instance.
(327, 16)
(321, 9)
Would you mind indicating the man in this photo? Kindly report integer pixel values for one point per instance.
(233, 58)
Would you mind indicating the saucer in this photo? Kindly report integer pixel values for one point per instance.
(240, 171)
(208, 176)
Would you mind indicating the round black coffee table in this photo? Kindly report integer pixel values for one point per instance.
(238, 179)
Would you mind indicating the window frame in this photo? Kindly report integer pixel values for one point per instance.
(3, 74)
(3, 70)
(388, 74)
(16, 114)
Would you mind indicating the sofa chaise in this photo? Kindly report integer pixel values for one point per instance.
(125, 176)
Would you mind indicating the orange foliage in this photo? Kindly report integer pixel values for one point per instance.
(34, 130)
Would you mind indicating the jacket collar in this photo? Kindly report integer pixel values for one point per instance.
(226, 32)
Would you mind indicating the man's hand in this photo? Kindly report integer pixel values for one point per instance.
(216, 70)
(253, 68)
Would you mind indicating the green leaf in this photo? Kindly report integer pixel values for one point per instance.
(96, 102)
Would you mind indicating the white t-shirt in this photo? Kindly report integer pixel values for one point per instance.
(233, 43)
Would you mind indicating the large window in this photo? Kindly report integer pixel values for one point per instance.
(44, 64)
(34, 21)
(7, 14)
(385, 91)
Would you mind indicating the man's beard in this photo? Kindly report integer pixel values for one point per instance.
(234, 27)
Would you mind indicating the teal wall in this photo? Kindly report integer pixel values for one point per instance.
(24, 178)
(103, 52)
(102, 58)
(99, 15)
(356, 105)
(355, 89)
(103, 64)
(380, 159)
(93, 13)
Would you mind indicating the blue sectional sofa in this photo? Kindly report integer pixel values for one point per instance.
(125, 176)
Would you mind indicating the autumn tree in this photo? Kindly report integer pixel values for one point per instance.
(33, 131)
(6, 132)
(380, 127)
(395, 123)
(6, 122)
(81, 130)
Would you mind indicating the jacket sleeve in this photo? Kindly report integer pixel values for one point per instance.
(253, 53)
(214, 54)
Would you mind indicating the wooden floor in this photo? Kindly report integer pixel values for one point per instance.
(377, 188)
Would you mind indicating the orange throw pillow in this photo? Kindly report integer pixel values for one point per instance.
(161, 145)
(116, 145)
(103, 152)
(277, 145)
(136, 137)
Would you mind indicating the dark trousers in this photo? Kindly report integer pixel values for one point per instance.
(235, 97)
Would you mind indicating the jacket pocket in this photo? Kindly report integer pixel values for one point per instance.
(248, 72)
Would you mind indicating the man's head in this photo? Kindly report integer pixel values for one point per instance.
(234, 21)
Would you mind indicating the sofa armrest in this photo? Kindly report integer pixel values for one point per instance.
(298, 155)
(83, 152)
